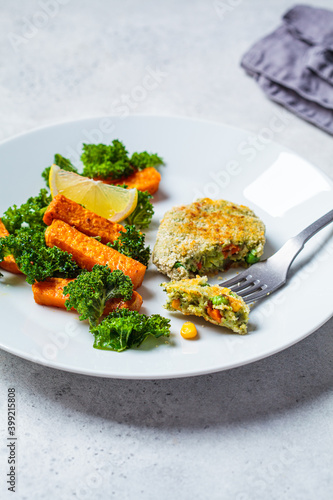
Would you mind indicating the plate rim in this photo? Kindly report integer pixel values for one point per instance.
(142, 376)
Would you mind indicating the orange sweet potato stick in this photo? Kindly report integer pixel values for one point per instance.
(50, 293)
(8, 263)
(84, 220)
(143, 180)
(87, 251)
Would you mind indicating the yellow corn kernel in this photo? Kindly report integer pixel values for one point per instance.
(235, 304)
(188, 330)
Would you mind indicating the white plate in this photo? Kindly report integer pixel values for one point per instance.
(203, 159)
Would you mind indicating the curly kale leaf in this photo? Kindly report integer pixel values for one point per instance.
(90, 291)
(28, 214)
(104, 161)
(124, 329)
(37, 261)
(144, 160)
(112, 161)
(26, 242)
(132, 244)
(144, 211)
(63, 163)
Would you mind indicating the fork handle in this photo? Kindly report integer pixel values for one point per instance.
(316, 226)
(294, 245)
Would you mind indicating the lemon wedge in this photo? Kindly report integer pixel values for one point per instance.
(112, 202)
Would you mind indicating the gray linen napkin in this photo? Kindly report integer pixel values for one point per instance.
(294, 64)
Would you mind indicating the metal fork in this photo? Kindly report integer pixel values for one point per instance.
(265, 277)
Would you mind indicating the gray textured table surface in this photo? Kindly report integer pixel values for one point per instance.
(256, 432)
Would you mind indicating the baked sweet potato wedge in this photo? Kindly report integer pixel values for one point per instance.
(50, 293)
(143, 180)
(86, 221)
(87, 251)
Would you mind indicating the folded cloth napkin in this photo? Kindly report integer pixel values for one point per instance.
(294, 64)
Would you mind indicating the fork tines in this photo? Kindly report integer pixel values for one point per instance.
(246, 286)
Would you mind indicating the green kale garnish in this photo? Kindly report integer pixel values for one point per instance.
(112, 161)
(132, 243)
(63, 163)
(28, 214)
(37, 261)
(123, 329)
(144, 160)
(90, 291)
(104, 161)
(26, 242)
(144, 211)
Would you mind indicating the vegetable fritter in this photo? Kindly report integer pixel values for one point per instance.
(207, 236)
(217, 305)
